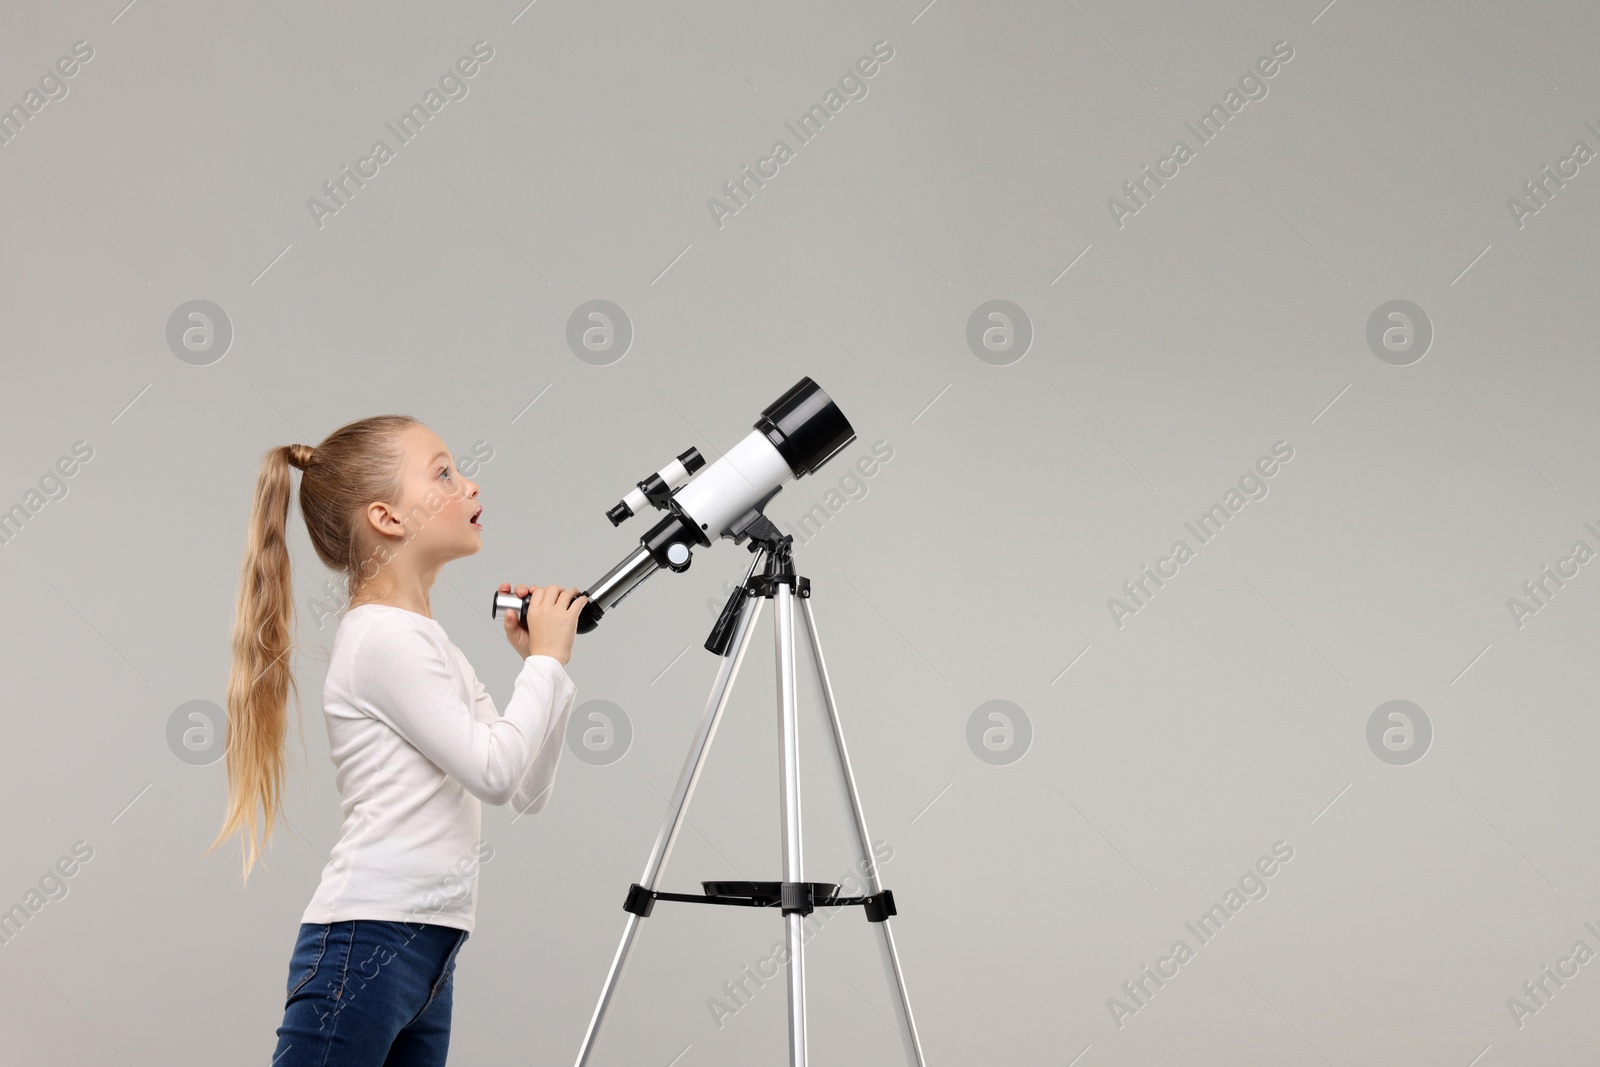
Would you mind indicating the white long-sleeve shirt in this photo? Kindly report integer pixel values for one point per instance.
(417, 743)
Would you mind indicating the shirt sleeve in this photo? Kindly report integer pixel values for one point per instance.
(403, 678)
(533, 792)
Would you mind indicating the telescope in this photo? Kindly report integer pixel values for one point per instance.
(796, 435)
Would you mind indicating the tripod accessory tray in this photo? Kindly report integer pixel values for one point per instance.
(801, 897)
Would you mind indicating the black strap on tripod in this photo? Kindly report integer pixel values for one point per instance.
(801, 897)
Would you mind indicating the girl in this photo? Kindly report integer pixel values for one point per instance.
(415, 739)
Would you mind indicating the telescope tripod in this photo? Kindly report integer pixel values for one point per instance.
(797, 898)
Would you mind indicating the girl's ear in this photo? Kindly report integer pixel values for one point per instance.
(384, 519)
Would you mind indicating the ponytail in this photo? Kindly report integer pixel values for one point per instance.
(260, 678)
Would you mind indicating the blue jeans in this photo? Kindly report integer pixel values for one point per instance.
(369, 993)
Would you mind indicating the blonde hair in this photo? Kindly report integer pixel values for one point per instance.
(355, 465)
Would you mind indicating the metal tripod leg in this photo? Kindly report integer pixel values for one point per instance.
(789, 798)
(891, 959)
(668, 836)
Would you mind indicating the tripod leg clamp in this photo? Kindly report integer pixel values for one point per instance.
(796, 897)
(879, 906)
(640, 900)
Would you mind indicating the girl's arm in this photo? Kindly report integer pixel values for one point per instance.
(402, 678)
(533, 792)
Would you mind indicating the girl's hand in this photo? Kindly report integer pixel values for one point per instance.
(514, 631)
(553, 613)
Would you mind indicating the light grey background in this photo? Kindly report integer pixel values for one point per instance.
(1228, 314)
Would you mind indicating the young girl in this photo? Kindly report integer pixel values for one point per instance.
(416, 741)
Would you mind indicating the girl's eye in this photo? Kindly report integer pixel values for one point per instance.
(445, 471)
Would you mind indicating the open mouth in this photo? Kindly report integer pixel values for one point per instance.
(474, 519)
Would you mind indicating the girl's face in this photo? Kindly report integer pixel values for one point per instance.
(441, 503)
